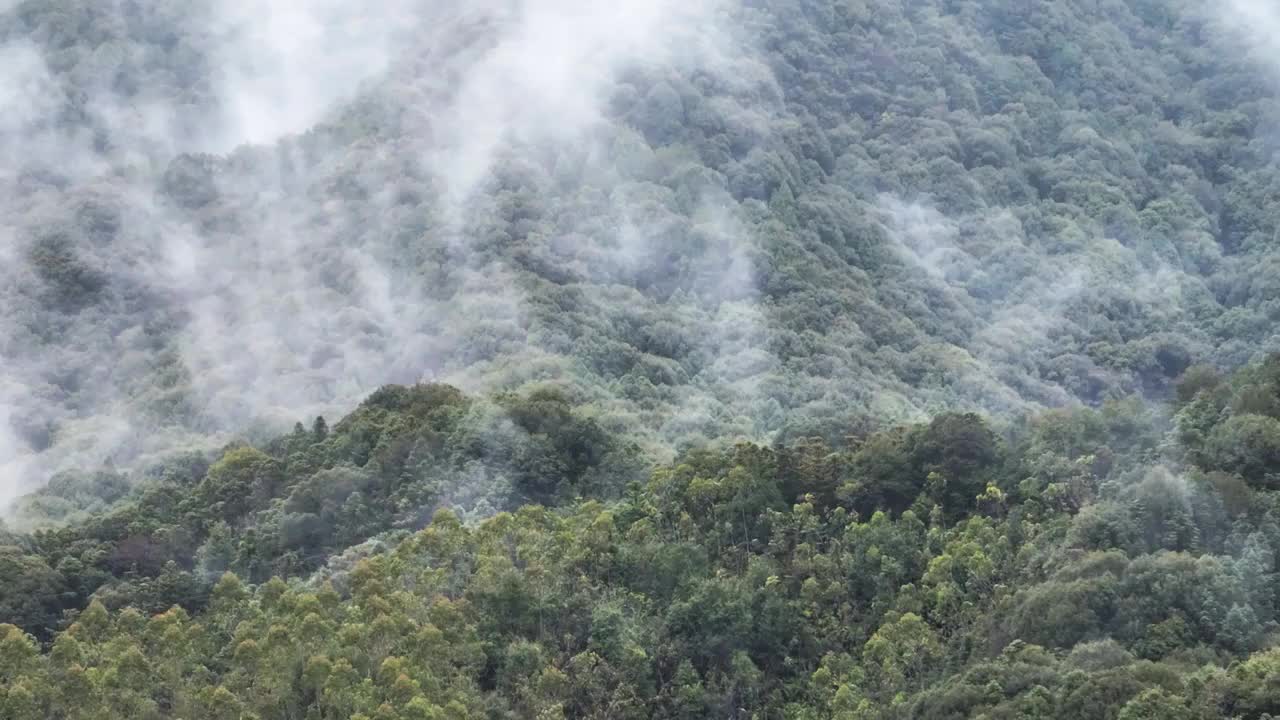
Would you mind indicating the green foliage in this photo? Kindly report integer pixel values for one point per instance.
(796, 467)
(32, 594)
(1248, 445)
(746, 579)
(886, 214)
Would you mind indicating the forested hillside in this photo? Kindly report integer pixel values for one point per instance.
(809, 216)
(1099, 563)
(769, 359)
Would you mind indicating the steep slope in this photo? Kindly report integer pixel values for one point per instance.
(1087, 568)
(731, 221)
(804, 359)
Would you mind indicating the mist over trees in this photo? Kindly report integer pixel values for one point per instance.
(759, 221)
(803, 359)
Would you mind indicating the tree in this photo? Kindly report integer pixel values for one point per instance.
(1156, 704)
(1248, 445)
(32, 595)
(901, 653)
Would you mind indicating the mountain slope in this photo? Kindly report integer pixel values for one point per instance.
(783, 219)
(804, 359)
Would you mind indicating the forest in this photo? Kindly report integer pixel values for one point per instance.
(748, 359)
(1110, 562)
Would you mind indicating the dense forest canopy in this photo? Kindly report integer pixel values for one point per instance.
(708, 220)
(770, 359)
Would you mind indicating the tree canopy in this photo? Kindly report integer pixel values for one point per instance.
(807, 360)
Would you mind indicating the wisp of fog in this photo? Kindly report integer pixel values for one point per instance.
(192, 247)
